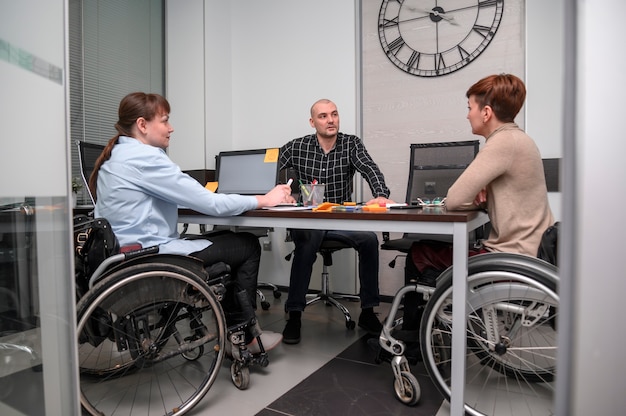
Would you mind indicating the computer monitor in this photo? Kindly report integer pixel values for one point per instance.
(247, 172)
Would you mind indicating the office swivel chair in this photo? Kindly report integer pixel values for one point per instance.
(433, 168)
(326, 250)
(88, 153)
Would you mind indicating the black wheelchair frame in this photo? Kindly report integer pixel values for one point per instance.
(151, 330)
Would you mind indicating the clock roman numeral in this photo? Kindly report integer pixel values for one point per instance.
(488, 3)
(414, 60)
(396, 45)
(439, 62)
(464, 54)
(483, 31)
(391, 23)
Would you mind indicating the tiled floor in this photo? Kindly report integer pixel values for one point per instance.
(330, 372)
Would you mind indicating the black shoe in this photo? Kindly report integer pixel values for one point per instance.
(291, 333)
(381, 355)
(412, 352)
(408, 336)
(369, 322)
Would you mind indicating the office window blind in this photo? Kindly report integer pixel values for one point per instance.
(116, 47)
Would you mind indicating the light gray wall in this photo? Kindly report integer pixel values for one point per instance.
(544, 78)
(243, 75)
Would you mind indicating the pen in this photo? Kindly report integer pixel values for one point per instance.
(303, 188)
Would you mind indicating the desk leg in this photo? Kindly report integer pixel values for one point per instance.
(459, 318)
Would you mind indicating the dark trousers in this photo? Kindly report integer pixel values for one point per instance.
(242, 252)
(307, 244)
(425, 261)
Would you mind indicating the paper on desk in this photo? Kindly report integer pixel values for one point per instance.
(288, 207)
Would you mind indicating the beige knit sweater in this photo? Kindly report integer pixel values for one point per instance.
(509, 166)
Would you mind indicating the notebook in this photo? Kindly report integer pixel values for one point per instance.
(247, 172)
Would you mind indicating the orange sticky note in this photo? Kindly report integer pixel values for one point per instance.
(211, 186)
(271, 155)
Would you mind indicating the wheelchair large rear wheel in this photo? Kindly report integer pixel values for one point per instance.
(510, 364)
(150, 341)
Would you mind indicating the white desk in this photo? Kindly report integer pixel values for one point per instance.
(423, 221)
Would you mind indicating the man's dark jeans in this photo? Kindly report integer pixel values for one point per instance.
(307, 245)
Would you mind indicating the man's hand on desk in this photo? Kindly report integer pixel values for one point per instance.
(381, 201)
(279, 195)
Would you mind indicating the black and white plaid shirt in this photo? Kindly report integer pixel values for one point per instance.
(335, 169)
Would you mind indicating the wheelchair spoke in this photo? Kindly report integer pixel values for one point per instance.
(149, 335)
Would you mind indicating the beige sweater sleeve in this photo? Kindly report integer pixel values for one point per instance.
(509, 167)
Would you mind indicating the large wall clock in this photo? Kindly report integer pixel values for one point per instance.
(430, 38)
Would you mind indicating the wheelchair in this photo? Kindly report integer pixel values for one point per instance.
(512, 307)
(152, 332)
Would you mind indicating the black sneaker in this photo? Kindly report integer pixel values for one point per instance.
(380, 354)
(291, 333)
(370, 323)
(408, 336)
(412, 352)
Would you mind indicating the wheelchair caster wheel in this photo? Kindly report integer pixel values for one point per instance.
(350, 324)
(277, 294)
(265, 305)
(193, 355)
(407, 389)
(240, 375)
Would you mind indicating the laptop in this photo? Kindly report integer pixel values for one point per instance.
(247, 172)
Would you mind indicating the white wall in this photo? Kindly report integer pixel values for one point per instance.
(186, 84)
(263, 65)
(243, 75)
(544, 78)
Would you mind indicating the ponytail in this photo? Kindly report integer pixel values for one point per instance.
(132, 107)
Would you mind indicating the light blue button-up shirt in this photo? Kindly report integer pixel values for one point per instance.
(139, 192)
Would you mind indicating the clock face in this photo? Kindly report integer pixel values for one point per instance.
(430, 38)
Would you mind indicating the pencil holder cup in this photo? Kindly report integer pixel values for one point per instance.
(312, 195)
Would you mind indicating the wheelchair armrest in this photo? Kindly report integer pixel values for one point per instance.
(140, 252)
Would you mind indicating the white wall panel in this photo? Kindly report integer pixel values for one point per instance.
(185, 81)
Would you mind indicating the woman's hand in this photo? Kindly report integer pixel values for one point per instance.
(280, 194)
(481, 199)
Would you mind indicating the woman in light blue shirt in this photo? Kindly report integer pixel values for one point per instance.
(139, 190)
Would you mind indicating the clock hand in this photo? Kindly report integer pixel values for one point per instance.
(441, 14)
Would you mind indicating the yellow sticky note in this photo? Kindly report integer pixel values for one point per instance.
(211, 186)
(271, 155)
